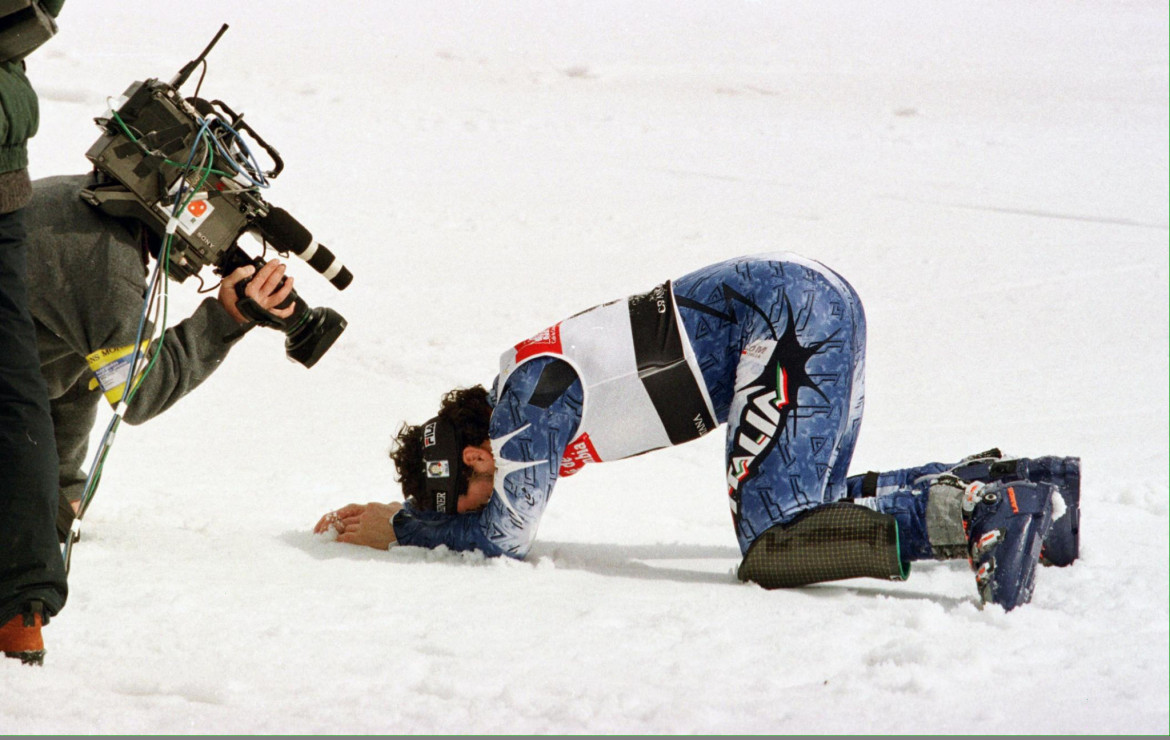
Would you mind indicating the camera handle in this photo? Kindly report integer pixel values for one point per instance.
(257, 316)
(308, 332)
(239, 124)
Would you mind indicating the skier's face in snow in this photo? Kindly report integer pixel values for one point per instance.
(480, 479)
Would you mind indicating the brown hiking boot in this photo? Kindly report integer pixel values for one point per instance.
(20, 637)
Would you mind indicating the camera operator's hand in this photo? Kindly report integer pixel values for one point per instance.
(358, 524)
(264, 287)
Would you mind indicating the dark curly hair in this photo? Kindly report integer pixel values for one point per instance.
(468, 410)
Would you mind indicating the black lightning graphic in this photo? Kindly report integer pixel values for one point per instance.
(773, 399)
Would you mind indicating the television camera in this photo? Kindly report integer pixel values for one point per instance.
(185, 168)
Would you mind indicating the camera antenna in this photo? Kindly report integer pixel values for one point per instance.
(188, 68)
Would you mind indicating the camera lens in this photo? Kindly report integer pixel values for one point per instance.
(313, 335)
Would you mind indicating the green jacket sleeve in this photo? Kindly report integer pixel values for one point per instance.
(19, 114)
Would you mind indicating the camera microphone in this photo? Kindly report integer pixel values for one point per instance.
(186, 71)
(287, 234)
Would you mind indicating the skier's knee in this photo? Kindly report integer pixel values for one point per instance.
(828, 543)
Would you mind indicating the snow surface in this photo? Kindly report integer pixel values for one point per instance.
(992, 177)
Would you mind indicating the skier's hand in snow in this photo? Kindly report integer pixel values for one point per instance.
(362, 524)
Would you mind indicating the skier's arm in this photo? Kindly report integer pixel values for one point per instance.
(536, 415)
(362, 524)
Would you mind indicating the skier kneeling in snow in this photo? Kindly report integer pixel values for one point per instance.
(87, 281)
(775, 347)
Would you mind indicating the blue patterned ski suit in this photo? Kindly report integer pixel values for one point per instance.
(779, 342)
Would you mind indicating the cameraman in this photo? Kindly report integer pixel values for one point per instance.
(87, 282)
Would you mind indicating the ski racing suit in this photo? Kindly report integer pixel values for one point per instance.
(773, 346)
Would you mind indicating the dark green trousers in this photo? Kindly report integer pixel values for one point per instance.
(30, 558)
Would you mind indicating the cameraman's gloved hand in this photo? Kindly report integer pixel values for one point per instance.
(263, 294)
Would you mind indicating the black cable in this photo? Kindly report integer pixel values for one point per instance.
(202, 74)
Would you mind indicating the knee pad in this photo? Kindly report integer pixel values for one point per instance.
(829, 543)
